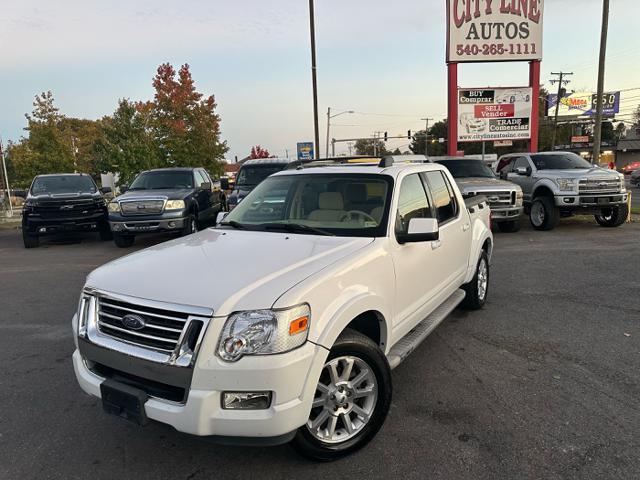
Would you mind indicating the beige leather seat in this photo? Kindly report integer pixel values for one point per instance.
(330, 208)
(377, 213)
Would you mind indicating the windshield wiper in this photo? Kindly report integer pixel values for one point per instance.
(234, 224)
(296, 227)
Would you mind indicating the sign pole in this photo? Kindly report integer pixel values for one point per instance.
(452, 109)
(534, 83)
(6, 179)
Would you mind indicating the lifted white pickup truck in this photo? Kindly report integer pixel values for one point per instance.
(284, 322)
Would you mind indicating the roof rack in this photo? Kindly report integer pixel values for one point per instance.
(334, 161)
(390, 160)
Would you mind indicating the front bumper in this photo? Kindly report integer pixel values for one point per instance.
(590, 200)
(165, 222)
(292, 377)
(36, 225)
(505, 214)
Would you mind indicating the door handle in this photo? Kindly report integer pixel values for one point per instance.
(435, 244)
(465, 227)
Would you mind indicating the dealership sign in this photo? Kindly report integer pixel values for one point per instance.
(494, 114)
(494, 30)
(583, 104)
(305, 150)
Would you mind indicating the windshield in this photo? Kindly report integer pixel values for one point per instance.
(63, 184)
(467, 168)
(162, 180)
(251, 175)
(559, 161)
(328, 204)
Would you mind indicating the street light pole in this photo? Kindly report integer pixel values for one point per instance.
(597, 133)
(6, 179)
(313, 79)
(426, 135)
(329, 117)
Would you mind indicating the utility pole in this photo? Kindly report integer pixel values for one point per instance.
(561, 81)
(6, 178)
(426, 135)
(313, 79)
(597, 133)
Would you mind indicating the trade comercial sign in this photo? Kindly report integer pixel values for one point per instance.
(494, 114)
(583, 104)
(494, 30)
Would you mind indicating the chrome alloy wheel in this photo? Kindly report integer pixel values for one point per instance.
(537, 214)
(345, 399)
(483, 278)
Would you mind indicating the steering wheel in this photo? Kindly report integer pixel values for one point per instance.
(355, 214)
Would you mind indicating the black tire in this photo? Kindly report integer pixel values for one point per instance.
(544, 214)
(511, 226)
(474, 298)
(123, 241)
(613, 217)
(190, 226)
(30, 241)
(351, 344)
(105, 233)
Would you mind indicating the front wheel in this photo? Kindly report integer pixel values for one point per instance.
(123, 241)
(351, 401)
(105, 233)
(478, 288)
(30, 241)
(544, 214)
(613, 217)
(190, 225)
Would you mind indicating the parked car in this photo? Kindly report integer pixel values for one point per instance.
(179, 200)
(66, 202)
(475, 178)
(512, 96)
(635, 178)
(250, 175)
(630, 168)
(333, 276)
(472, 124)
(556, 184)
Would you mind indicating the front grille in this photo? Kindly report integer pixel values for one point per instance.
(142, 207)
(500, 199)
(68, 209)
(603, 185)
(161, 330)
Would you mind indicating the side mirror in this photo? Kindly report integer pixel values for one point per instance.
(221, 216)
(420, 230)
(124, 188)
(205, 185)
(224, 183)
(105, 190)
(526, 171)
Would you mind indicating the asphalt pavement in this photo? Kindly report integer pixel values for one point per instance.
(542, 384)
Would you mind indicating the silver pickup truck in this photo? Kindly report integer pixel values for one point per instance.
(561, 184)
(475, 178)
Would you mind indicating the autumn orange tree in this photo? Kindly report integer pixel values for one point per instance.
(185, 123)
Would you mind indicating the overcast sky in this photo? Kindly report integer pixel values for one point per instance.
(384, 60)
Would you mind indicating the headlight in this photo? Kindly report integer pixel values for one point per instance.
(519, 197)
(565, 183)
(623, 187)
(264, 332)
(114, 207)
(174, 205)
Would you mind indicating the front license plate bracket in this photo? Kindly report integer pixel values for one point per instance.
(124, 401)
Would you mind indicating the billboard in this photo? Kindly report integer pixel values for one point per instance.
(494, 30)
(305, 150)
(494, 114)
(583, 104)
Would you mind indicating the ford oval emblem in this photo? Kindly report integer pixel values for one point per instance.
(133, 322)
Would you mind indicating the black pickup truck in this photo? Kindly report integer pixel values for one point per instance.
(57, 203)
(181, 200)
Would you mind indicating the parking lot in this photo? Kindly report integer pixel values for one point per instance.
(542, 383)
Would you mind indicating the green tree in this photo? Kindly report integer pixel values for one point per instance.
(186, 127)
(366, 147)
(127, 144)
(436, 131)
(620, 131)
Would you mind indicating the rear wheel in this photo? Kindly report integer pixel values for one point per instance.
(30, 241)
(544, 215)
(509, 227)
(478, 288)
(613, 217)
(351, 402)
(123, 241)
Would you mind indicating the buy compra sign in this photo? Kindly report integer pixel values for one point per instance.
(494, 30)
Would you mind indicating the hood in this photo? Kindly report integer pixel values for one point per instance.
(169, 194)
(595, 173)
(225, 270)
(479, 184)
(64, 197)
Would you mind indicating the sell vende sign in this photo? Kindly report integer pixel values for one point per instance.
(494, 114)
(494, 30)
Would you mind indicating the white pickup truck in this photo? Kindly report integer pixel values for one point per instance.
(283, 323)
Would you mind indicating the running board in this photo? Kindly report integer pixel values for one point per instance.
(411, 340)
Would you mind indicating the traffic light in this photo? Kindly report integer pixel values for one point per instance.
(563, 92)
(408, 134)
(385, 136)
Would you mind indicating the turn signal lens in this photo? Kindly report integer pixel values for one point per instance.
(298, 325)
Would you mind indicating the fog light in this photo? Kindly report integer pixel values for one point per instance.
(568, 200)
(42, 230)
(116, 227)
(246, 400)
(172, 224)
